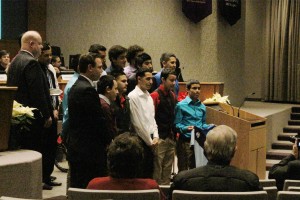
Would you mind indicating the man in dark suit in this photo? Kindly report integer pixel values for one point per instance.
(88, 135)
(217, 175)
(25, 72)
(287, 168)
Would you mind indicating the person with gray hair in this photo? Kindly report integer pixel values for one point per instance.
(218, 175)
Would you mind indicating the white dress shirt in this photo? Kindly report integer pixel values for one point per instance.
(142, 114)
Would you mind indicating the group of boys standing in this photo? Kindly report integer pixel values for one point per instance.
(93, 117)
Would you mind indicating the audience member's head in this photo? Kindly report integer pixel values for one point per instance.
(97, 48)
(143, 60)
(55, 61)
(168, 60)
(220, 144)
(117, 56)
(168, 78)
(4, 58)
(90, 65)
(46, 54)
(144, 79)
(124, 157)
(32, 41)
(193, 89)
(121, 79)
(107, 86)
(132, 52)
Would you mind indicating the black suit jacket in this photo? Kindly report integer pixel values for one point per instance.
(215, 178)
(287, 168)
(88, 135)
(26, 73)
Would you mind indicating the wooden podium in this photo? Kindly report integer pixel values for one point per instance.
(6, 99)
(251, 130)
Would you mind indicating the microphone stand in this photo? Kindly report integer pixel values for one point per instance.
(228, 102)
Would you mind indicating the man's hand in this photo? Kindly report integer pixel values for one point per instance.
(48, 122)
(55, 114)
(190, 128)
(295, 149)
(155, 141)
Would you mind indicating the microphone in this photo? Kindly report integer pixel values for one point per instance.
(253, 93)
(228, 102)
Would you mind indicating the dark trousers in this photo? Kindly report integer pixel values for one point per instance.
(83, 172)
(49, 147)
(148, 162)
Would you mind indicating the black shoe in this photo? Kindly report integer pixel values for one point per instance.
(53, 183)
(47, 187)
(52, 178)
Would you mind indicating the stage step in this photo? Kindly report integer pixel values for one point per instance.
(282, 145)
(294, 122)
(270, 163)
(295, 109)
(285, 136)
(291, 129)
(278, 154)
(295, 116)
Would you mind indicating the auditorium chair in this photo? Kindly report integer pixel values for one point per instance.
(294, 188)
(267, 182)
(165, 189)
(271, 191)
(288, 195)
(189, 195)
(80, 194)
(288, 183)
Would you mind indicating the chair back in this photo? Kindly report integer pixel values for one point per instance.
(13, 198)
(294, 188)
(79, 194)
(272, 192)
(288, 183)
(189, 195)
(288, 195)
(267, 182)
(165, 189)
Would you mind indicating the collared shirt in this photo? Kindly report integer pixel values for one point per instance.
(129, 71)
(158, 82)
(142, 114)
(65, 123)
(104, 98)
(189, 113)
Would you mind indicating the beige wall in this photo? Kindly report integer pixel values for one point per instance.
(211, 50)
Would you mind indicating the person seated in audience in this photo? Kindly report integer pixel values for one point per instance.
(217, 175)
(100, 49)
(4, 60)
(132, 53)
(124, 162)
(107, 88)
(287, 168)
(143, 60)
(117, 57)
(121, 104)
